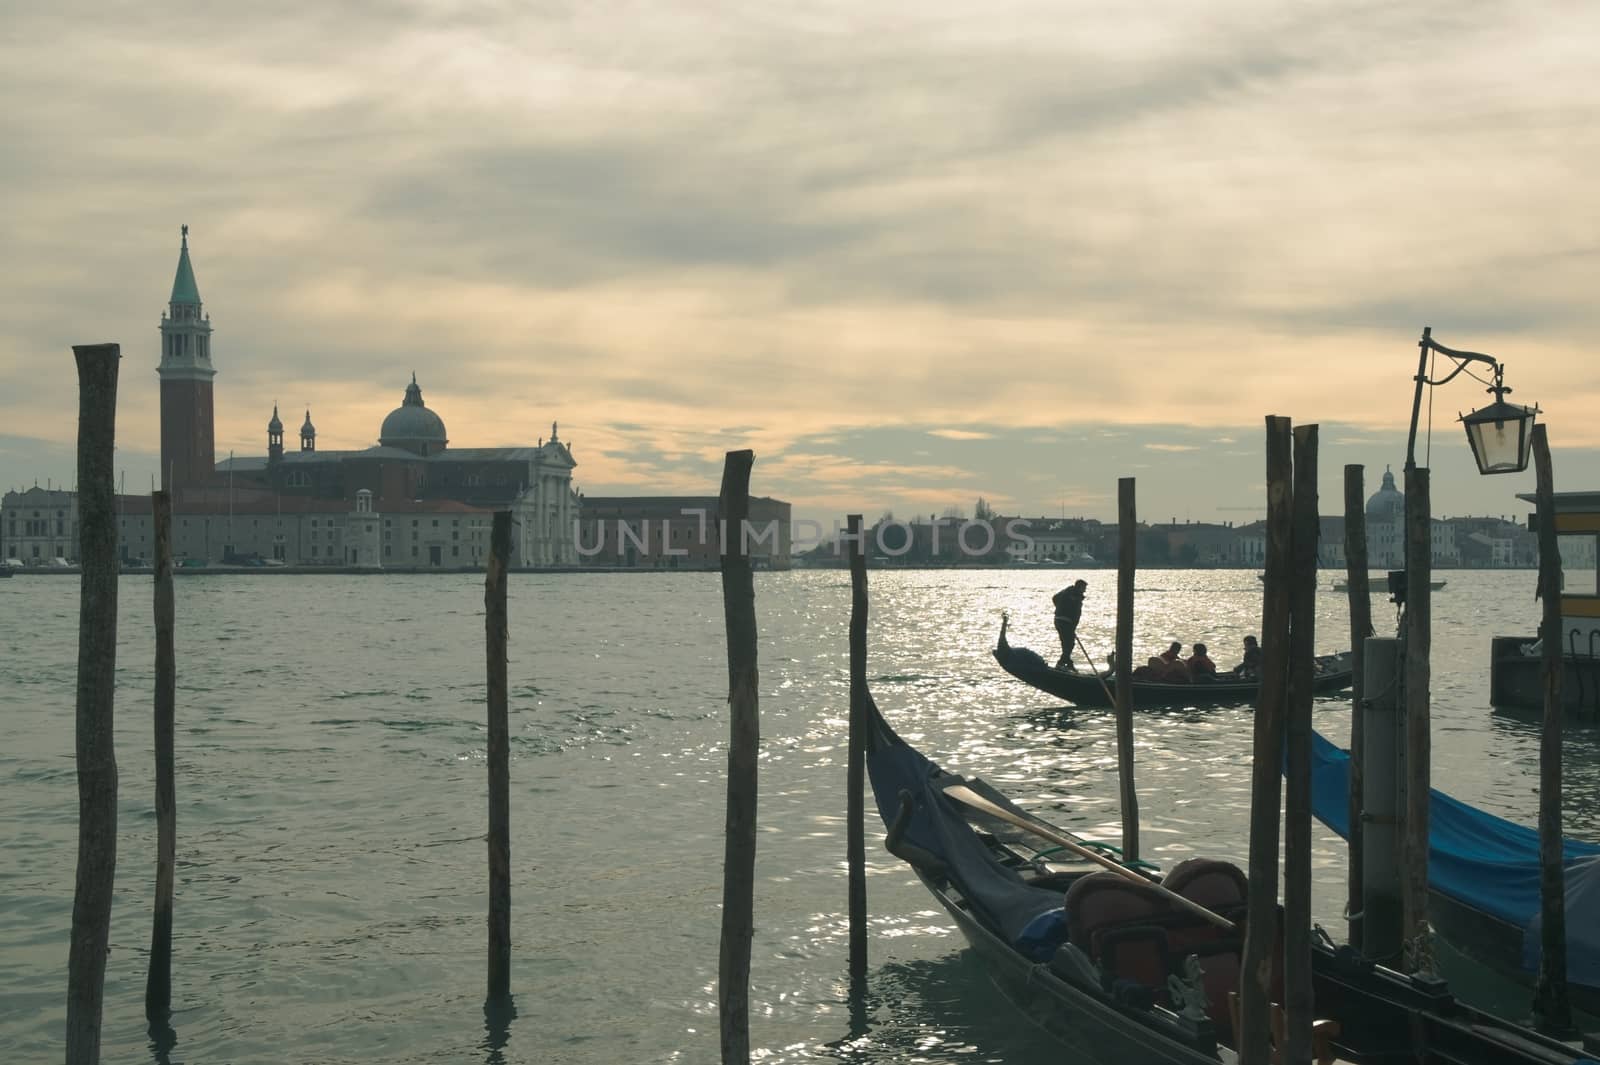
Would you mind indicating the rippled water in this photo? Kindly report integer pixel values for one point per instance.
(331, 804)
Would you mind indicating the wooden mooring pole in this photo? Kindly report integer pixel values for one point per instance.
(1418, 728)
(1265, 774)
(158, 982)
(1360, 595)
(1550, 1005)
(495, 643)
(1127, 564)
(1297, 728)
(855, 773)
(744, 745)
(97, 668)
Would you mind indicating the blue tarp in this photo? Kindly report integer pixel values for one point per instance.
(1482, 860)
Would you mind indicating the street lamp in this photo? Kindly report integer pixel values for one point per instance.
(1500, 434)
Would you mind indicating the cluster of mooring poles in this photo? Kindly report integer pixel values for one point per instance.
(1281, 759)
(96, 753)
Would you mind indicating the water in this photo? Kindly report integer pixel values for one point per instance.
(331, 804)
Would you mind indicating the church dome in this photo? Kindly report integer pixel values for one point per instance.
(412, 425)
(1386, 502)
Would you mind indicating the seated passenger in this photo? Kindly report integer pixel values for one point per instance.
(1200, 666)
(1251, 665)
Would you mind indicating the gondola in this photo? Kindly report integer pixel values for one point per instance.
(1122, 975)
(1483, 882)
(1377, 586)
(1091, 689)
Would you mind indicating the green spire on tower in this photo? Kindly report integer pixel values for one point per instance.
(184, 290)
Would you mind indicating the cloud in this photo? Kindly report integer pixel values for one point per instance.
(1171, 447)
(684, 230)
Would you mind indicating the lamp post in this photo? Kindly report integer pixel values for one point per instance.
(1500, 436)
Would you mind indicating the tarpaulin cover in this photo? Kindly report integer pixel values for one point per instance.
(998, 895)
(1482, 860)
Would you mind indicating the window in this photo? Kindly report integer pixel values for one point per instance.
(455, 550)
(413, 550)
(387, 550)
(435, 523)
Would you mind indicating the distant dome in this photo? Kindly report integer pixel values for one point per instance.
(276, 426)
(1386, 502)
(413, 426)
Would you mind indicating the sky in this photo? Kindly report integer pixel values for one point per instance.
(911, 254)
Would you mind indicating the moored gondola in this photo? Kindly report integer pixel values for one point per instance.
(1118, 963)
(1483, 882)
(1095, 689)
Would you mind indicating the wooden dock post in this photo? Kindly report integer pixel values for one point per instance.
(1360, 594)
(1127, 560)
(1419, 737)
(744, 745)
(97, 669)
(855, 774)
(1383, 737)
(1297, 730)
(158, 982)
(1265, 780)
(1550, 1005)
(495, 642)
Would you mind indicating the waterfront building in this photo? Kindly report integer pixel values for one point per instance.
(408, 501)
(38, 525)
(1065, 541)
(675, 532)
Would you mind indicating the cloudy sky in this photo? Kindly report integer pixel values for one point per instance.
(910, 253)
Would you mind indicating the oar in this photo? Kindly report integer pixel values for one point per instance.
(1111, 700)
(964, 794)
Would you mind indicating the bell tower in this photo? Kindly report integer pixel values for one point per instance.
(188, 438)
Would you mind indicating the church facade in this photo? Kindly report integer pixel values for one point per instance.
(408, 501)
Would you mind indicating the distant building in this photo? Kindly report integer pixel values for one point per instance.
(423, 503)
(39, 524)
(676, 532)
(1386, 526)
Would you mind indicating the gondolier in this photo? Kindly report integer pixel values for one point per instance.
(1069, 608)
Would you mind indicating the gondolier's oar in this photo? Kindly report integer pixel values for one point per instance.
(1111, 700)
(964, 794)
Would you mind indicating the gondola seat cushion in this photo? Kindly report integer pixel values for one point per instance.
(1119, 923)
(1217, 885)
(1222, 888)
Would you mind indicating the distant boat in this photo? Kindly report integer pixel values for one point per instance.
(1374, 586)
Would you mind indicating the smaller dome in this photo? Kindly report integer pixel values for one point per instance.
(276, 426)
(1387, 501)
(308, 429)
